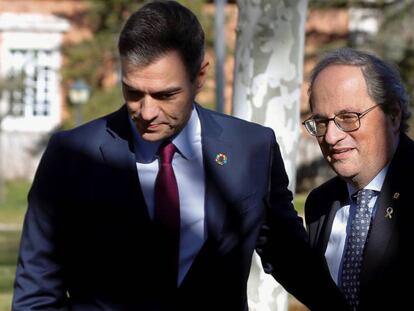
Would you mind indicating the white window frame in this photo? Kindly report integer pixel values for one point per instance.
(37, 34)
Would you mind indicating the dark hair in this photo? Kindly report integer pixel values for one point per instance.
(160, 27)
(383, 80)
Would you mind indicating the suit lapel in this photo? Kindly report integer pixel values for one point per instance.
(118, 153)
(337, 196)
(214, 202)
(325, 227)
(217, 172)
(383, 226)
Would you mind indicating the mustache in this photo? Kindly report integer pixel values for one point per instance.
(136, 118)
(139, 121)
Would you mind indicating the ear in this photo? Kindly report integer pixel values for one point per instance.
(202, 75)
(395, 117)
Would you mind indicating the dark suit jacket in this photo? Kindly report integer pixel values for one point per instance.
(388, 268)
(89, 244)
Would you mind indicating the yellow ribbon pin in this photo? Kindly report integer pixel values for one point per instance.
(389, 212)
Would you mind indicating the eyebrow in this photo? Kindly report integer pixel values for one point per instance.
(318, 116)
(169, 90)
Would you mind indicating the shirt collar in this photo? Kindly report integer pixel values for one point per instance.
(375, 184)
(187, 140)
(146, 151)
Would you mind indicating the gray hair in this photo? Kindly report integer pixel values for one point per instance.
(383, 80)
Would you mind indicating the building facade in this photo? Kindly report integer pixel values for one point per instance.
(32, 101)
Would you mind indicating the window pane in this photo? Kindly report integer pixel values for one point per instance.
(34, 97)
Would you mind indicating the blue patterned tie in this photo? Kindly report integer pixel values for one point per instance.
(353, 254)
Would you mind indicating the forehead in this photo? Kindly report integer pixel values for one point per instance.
(166, 69)
(339, 88)
(168, 61)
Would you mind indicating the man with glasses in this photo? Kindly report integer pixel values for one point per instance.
(360, 221)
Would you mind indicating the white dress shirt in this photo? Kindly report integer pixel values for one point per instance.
(342, 224)
(189, 172)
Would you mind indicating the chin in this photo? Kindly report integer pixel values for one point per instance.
(155, 136)
(344, 170)
(151, 137)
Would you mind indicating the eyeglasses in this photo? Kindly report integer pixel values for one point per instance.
(345, 121)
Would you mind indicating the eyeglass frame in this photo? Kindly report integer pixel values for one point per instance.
(327, 120)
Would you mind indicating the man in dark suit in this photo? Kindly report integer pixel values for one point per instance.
(160, 205)
(366, 243)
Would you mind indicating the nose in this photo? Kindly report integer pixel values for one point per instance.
(333, 133)
(149, 108)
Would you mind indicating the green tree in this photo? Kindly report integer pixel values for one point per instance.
(92, 59)
(395, 41)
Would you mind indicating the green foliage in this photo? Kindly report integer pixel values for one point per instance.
(92, 59)
(14, 205)
(88, 59)
(11, 213)
(299, 202)
(395, 42)
(15, 194)
(101, 103)
(104, 102)
(5, 301)
(8, 268)
(399, 48)
(9, 244)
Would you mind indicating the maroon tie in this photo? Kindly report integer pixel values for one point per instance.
(167, 212)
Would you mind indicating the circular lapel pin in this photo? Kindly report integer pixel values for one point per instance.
(221, 158)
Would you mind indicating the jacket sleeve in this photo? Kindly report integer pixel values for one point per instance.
(284, 248)
(39, 277)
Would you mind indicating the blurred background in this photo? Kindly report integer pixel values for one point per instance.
(59, 68)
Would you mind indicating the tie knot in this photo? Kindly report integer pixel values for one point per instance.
(167, 152)
(363, 196)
